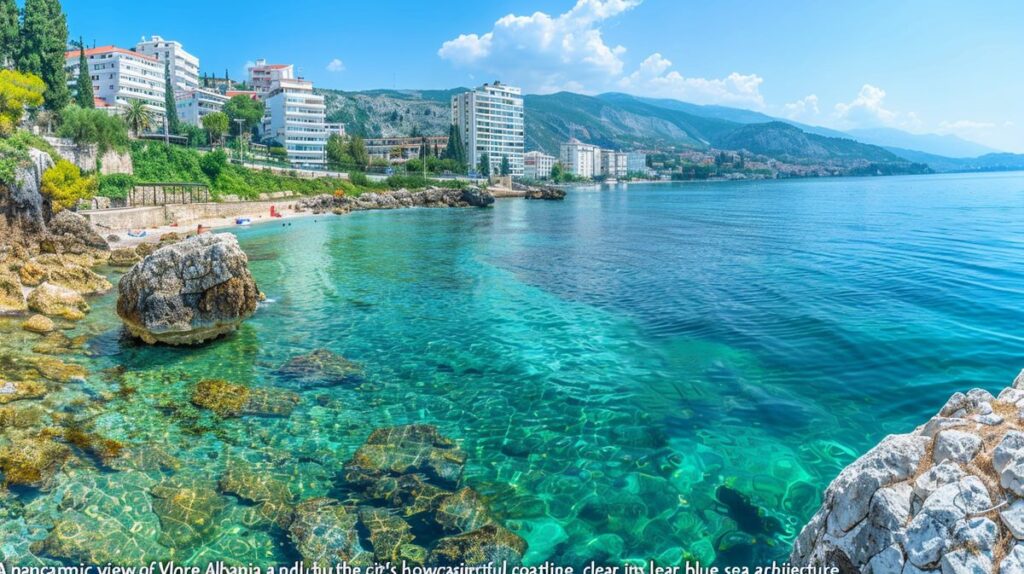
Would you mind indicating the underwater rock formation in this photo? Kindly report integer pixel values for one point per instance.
(324, 532)
(320, 368)
(39, 324)
(231, 400)
(405, 450)
(188, 292)
(948, 496)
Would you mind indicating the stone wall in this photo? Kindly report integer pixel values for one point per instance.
(84, 156)
(182, 214)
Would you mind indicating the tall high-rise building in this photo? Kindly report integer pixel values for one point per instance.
(490, 120)
(184, 66)
(119, 76)
(580, 159)
(295, 118)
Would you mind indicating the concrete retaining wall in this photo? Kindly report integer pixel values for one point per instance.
(182, 214)
(127, 217)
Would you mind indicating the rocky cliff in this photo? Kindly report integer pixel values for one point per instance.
(948, 497)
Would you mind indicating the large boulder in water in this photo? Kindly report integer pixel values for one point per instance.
(948, 496)
(188, 292)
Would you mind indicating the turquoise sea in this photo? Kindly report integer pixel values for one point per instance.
(638, 372)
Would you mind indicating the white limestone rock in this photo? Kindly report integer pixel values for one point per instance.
(955, 445)
(1013, 518)
(1013, 562)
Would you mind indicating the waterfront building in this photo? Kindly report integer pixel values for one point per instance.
(490, 120)
(580, 159)
(192, 105)
(335, 129)
(636, 162)
(613, 164)
(402, 148)
(184, 66)
(295, 119)
(119, 76)
(263, 76)
(538, 165)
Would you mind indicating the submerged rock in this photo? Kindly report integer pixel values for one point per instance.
(186, 511)
(230, 400)
(57, 301)
(271, 496)
(942, 497)
(39, 324)
(33, 461)
(491, 544)
(11, 391)
(324, 533)
(188, 292)
(320, 368)
(390, 536)
(408, 449)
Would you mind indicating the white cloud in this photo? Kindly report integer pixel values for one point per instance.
(546, 53)
(655, 77)
(866, 110)
(804, 108)
(336, 65)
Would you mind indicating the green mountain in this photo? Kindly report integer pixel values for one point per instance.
(614, 121)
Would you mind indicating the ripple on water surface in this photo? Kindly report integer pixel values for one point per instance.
(663, 372)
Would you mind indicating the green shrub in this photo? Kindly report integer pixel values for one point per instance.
(65, 186)
(89, 126)
(116, 186)
(213, 163)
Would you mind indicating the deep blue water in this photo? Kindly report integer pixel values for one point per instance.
(611, 361)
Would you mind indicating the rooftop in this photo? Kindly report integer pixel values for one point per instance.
(106, 50)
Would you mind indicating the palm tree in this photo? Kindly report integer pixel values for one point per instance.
(138, 116)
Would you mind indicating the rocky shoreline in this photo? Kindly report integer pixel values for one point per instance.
(948, 497)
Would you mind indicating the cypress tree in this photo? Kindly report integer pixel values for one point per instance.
(506, 168)
(83, 87)
(170, 106)
(44, 40)
(455, 149)
(8, 33)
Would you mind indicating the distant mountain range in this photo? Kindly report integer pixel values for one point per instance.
(622, 121)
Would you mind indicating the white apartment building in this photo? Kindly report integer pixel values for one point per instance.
(295, 118)
(580, 159)
(614, 164)
(119, 76)
(636, 162)
(184, 66)
(263, 76)
(490, 119)
(192, 105)
(335, 129)
(538, 165)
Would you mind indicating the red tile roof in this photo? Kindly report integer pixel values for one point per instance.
(106, 50)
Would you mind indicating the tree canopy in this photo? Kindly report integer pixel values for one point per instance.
(170, 106)
(216, 125)
(92, 126)
(17, 91)
(43, 41)
(9, 33)
(244, 108)
(83, 85)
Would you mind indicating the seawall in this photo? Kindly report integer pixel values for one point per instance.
(182, 214)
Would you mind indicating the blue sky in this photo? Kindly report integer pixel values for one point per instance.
(921, 66)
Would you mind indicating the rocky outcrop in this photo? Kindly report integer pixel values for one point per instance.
(57, 301)
(947, 497)
(188, 292)
(72, 233)
(24, 206)
(12, 299)
(544, 192)
(430, 197)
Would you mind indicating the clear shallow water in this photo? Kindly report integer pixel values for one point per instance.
(609, 362)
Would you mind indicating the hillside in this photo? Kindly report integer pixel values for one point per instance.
(949, 146)
(787, 142)
(615, 121)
